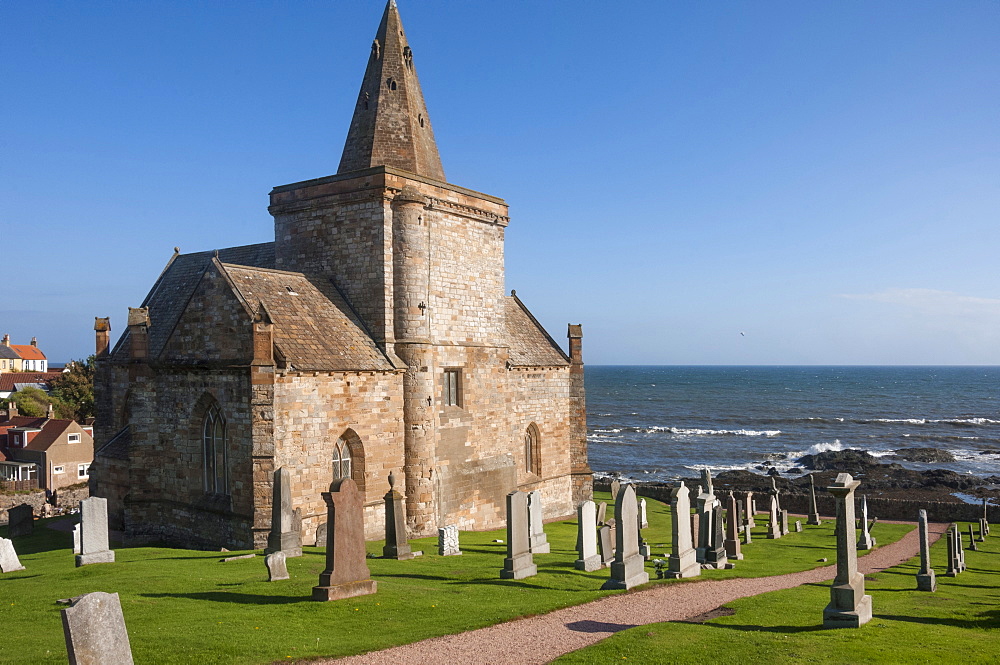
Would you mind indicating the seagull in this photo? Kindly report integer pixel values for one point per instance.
(742, 334)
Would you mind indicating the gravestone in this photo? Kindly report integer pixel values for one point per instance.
(644, 551)
(925, 576)
(865, 542)
(849, 606)
(276, 568)
(784, 523)
(613, 533)
(706, 503)
(519, 562)
(8, 557)
(984, 520)
(643, 519)
(682, 561)
(773, 519)
(20, 521)
(813, 517)
(751, 510)
(588, 558)
(321, 535)
(538, 543)
(283, 536)
(732, 543)
(954, 567)
(715, 554)
(95, 632)
(980, 534)
(628, 568)
(747, 536)
(602, 512)
(448, 541)
(396, 545)
(346, 574)
(606, 550)
(616, 487)
(77, 545)
(972, 540)
(94, 546)
(798, 526)
(959, 550)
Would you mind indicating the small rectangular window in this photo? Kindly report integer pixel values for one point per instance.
(73, 438)
(83, 470)
(58, 469)
(453, 387)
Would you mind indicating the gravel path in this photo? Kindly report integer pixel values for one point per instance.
(561, 631)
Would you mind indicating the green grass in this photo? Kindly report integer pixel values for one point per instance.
(184, 606)
(957, 623)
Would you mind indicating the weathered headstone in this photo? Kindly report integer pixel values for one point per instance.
(95, 632)
(588, 558)
(732, 543)
(773, 519)
(283, 536)
(972, 540)
(519, 562)
(448, 541)
(604, 546)
(321, 535)
(849, 606)
(615, 488)
(984, 520)
(346, 574)
(925, 576)
(954, 567)
(980, 533)
(798, 526)
(865, 542)
(276, 568)
(613, 526)
(813, 517)
(682, 561)
(20, 521)
(94, 546)
(538, 543)
(960, 551)
(751, 510)
(628, 568)
(784, 523)
(77, 545)
(8, 557)
(396, 545)
(602, 512)
(643, 518)
(706, 503)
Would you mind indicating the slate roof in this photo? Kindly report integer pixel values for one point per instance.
(9, 380)
(314, 327)
(119, 445)
(530, 345)
(169, 296)
(8, 353)
(28, 352)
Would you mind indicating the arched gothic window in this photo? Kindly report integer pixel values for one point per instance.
(341, 460)
(532, 451)
(216, 464)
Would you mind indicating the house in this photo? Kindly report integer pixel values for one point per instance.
(372, 335)
(21, 357)
(55, 452)
(11, 382)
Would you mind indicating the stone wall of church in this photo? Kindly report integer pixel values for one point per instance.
(314, 410)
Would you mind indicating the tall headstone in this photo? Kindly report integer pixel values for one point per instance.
(643, 519)
(8, 557)
(705, 509)
(283, 537)
(276, 567)
(773, 518)
(732, 543)
(784, 523)
(346, 574)
(628, 568)
(865, 542)
(396, 545)
(95, 632)
(813, 517)
(751, 510)
(588, 558)
(94, 546)
(925, 576)
(984, 520)
(954, 567)
(682, 561)
(519, 562)
(602, 513)
(77, 545)
(20, 521)
(849, 606)
(538, 543)
(960, 551)
(615, 488)
(972, 540)
(448, 541)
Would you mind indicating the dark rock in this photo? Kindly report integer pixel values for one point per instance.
(924, 455)
(946, 478)
(795, 470)
(773, 472)
(839, 460)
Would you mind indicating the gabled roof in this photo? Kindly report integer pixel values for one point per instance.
(52, 429)
(9, 379)
(8, 353)
(28, 352)
(170, 294)
(530, 345)
(314, 328)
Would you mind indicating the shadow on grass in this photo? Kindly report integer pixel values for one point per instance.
(764, 629)
(499, 582)
(414, 576)
(236, 598)
(588, 626)
(990, 619)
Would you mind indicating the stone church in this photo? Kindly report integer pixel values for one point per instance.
(373, 335)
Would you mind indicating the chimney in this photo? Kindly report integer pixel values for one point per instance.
(138, 332)
(6, 340)
(34, 341)
(12, 409)
(575, 336)
(102, 331)
(50, 413)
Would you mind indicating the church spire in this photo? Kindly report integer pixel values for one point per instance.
(390, 125)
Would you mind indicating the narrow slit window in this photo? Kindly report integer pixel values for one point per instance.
(453, 387)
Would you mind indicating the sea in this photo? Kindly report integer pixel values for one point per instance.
(660, 423)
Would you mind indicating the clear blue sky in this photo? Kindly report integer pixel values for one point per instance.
(822, 177)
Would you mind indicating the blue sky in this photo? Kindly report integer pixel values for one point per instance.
(822, 177)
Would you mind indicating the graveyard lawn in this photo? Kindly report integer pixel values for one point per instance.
(184, 606)
(960, 622)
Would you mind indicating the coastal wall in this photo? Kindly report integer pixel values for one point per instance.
(65, 498)
(885, 509)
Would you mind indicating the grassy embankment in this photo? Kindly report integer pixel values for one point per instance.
(957, 623)
(184, 606)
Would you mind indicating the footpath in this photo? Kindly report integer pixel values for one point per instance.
(540, 639)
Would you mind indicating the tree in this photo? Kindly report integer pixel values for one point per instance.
(75, 389)
(35, 403)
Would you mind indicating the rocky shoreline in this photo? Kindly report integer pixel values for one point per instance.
(888, 480)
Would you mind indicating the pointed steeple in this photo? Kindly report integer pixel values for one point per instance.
(390, 125)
